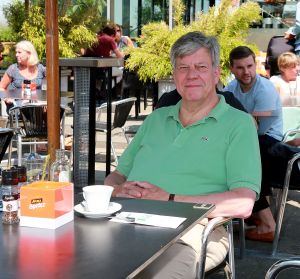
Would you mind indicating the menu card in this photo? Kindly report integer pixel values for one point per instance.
(148, 219)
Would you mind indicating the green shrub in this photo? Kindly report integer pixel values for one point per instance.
(151, 60)
(7, 35)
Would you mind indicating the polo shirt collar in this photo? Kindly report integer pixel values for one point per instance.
(216, 113)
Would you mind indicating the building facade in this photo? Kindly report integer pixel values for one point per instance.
(133, 14)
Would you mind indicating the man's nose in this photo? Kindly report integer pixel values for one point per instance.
(296, 70)
(246, 71)
(192, 72)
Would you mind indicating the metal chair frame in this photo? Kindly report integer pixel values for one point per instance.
(281, 201)
(282, 265)
(281, 197)
(30, 124)
(6, 135)
(120, 112)
(130, 132)
(209, 228)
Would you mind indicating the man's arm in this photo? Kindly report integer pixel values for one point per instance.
(235, 203)
(262, 113)
(5, 81)
(115, 179)
(118, 53)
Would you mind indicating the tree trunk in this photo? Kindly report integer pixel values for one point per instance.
(26, 4)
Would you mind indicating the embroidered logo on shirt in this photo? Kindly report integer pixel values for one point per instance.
(204, 138)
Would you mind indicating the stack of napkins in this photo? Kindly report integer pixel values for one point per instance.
(148, 219)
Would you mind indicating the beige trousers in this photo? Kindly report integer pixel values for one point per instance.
(180, 259)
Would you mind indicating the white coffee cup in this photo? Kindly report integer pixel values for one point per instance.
(97, 197)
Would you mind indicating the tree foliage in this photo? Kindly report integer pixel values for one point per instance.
(151, 60)
(15, 15)
(72, 37)
(87, 12)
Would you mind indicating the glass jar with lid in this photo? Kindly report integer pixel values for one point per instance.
(60, 170)
(10, 196)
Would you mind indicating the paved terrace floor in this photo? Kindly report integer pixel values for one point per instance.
(258, 254)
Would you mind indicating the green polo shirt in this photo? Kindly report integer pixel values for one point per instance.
(215, 154)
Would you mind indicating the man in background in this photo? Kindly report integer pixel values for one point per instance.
(105, 45)
(260, 98)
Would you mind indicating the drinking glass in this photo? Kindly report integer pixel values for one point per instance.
(293, 92)
(34, 169)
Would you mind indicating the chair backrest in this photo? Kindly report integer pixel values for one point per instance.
(291, 120)
(120, 111)
(5, 138)
(34, 119)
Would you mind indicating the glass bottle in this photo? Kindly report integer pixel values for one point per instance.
(60, 169)
(10, 196)
(27, 87)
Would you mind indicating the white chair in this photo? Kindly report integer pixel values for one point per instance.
(291, 122)
(120, 113)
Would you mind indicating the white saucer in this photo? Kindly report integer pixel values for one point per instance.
(112, 208)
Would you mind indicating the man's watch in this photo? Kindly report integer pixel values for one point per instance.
(171, 197)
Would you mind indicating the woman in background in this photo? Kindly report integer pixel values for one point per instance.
(26, 68)
(122, 41)
(288, 82)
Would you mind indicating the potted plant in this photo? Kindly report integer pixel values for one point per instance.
(151, 60)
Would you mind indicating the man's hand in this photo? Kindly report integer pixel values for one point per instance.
(8, 101)
(141, 190)
(289, 36)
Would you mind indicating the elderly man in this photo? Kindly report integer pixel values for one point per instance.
(200, 150)
(259, 96)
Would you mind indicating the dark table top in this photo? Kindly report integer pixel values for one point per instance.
(91, 62)
(92, 248)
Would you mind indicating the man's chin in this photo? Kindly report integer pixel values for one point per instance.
(247, 82)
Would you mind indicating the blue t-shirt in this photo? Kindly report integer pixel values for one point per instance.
(261, 97)
(13, 72)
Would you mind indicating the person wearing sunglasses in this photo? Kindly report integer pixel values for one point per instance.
(122, 41)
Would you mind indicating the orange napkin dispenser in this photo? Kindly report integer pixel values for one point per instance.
(46, 204)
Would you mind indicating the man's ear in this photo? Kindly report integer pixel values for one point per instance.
(217, 73)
